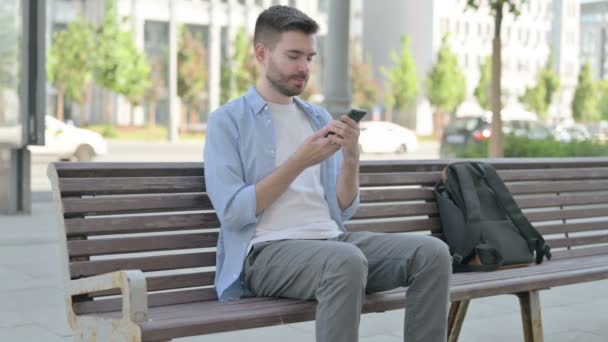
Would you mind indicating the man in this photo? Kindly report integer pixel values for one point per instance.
(282, 191)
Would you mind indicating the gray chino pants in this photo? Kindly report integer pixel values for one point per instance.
(338, 272)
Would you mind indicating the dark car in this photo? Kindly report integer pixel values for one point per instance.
(463, 132)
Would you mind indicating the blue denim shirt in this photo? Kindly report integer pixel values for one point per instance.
(240, 150)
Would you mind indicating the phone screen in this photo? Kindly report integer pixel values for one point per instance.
(355, 114)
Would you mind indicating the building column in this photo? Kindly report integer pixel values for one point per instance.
(337, 89)
(214, 49)
(174, 105)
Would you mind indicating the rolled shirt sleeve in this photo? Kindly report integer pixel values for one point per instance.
(233, 199)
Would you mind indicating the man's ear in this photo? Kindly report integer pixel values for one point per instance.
(260, 52)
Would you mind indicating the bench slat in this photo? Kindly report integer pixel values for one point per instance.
(96, 170)
(140, 224)
(555, 201)
(580, 252)
(565, 214)
(92, 247)
(169, 282)
(392, 194)
(396, 210)
(520, 188)
(135, 204)
(149, 263)
(397, 178)
(554, 174)
(130, 185)
(429, 224)
(577, 241)
(154, 299)
(572, 227)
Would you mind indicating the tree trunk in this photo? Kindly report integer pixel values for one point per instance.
(438, 123)
(496, 148)
(60, 104)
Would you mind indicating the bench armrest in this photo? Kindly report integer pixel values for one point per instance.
(132, 285)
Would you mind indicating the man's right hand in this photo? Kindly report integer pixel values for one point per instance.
(315, 149)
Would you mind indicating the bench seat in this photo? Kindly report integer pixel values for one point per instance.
(191, 319)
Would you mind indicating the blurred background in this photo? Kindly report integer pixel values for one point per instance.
(135, 80)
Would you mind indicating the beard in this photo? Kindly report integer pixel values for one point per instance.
(280, 81)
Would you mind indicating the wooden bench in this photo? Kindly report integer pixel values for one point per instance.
(138, 244)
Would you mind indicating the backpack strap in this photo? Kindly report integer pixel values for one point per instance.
(459, 178)
(535, 241)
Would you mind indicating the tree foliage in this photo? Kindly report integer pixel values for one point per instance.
(70, 62)
(192, 72)
(482, 91)
(584, 104)
(402, 80)
(240, 71)
(538, 98)
(121, 67)
(365, 89)
(446, 84)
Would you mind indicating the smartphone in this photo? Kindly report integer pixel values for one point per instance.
(355, 114)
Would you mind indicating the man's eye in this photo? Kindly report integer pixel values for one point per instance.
(293, 57)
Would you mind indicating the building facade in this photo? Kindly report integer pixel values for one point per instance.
(594, 40)
(215, 22)
(527, 41)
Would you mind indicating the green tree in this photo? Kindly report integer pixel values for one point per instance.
(602, 88)
(156, 89)
(120, 66)
(136, 75)
(550, 80)
(69, 63)
(497, 10)
(446, 85)
(402, 81)
(482, 92)
(241, 71)
(365, 89)
(192, 75)
(534, 99)
(584, 104)
(538, 98)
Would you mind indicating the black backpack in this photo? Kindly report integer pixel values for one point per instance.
(482, 224)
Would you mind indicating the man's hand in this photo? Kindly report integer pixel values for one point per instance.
(347, 136)
(315, 149)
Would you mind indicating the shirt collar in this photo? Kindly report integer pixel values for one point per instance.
(257, 103)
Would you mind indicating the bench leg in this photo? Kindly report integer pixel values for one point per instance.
(531, 316)
(458, 311)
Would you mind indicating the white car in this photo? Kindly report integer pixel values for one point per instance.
(386, 137)
(68, 142)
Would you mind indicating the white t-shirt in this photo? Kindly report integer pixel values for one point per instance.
(301, 212)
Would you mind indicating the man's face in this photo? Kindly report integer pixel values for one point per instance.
(287, 67)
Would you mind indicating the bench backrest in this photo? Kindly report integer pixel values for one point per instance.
(156, 217)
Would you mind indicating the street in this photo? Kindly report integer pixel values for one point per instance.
(186, 151)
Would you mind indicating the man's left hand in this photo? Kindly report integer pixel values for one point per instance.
(347, 136)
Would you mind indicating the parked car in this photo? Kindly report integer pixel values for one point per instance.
(386, 137)
(67, 142)
(461, 132)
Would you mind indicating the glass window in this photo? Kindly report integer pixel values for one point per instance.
(10, 57)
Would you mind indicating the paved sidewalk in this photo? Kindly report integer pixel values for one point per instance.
(31, 302)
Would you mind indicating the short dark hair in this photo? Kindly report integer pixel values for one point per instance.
(278, 19)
